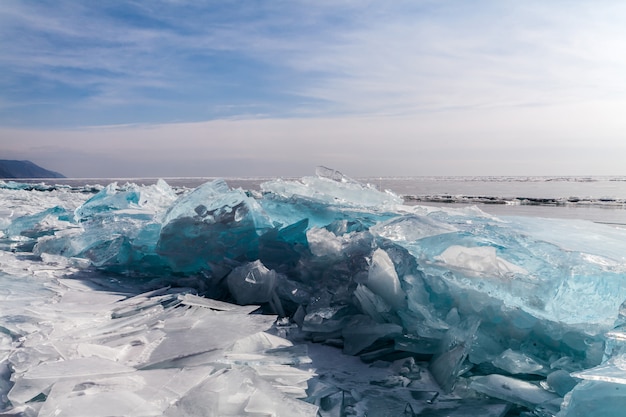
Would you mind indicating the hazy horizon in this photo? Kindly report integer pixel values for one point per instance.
(172, 88)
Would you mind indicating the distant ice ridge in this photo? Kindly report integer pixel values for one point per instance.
(489, 314)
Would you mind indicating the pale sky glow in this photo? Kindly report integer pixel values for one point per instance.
(238, 88)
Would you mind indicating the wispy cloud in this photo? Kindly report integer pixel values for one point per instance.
(484, 55)
(187, 59)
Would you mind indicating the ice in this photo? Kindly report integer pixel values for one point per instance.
(252, 283)
(239, 392)
(519, 363)
(323, 242)
(362, 334)
(154, 199)
(561, 382)
(594, 398)
(73, 352)
(209, 225)
(482, 261)
(383, 280)
(40, 224)
(332, 187)
(489, 313)
(512, 390)
(411, 227)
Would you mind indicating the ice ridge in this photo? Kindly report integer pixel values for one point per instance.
(526, 312)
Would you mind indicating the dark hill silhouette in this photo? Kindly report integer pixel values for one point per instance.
(24, 169)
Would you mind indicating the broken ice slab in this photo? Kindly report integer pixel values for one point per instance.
(76, 367)
(512, 390)
(411, 228)
(197, 332)
(331, 174)
(331, 187)
(519, 363)
(484, 253)
(286, 379)
(464, 408)
(604, 242)
(119, 242)
(40, 224)
(216, 202)
(66, 400)
(382, 279)
(326, 319)
(371, 304)
(252, 283)
(447, 365)
(143, 393)
(211, 225)
(595, 398)
(613, 370)
(263, 348)
(420, 347)
(194, 300)
(151, 199)
(479, 261)
(361, 334)
(323, 242)
(239, 392)
(39, 378)
(561, 382)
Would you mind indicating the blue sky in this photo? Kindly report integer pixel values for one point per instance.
(192, 88)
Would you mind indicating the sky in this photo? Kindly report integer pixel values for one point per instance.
(176, 88)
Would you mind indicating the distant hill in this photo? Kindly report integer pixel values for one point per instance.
(24, 169)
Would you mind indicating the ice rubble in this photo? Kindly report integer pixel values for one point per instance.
(493, 314)
(75, 352)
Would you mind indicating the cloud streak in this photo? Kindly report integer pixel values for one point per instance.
(377, 59)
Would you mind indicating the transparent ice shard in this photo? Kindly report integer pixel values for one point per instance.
(197, 402)
(411, 228)
(40, 224)
(209, 225)
(613, 370)
(512, 390)
(372, 304)
(467, 407)
(447, 365)
(332, 187)
(257, 342)
(383, 280)
(67, 399)
(152, 199)
(252, 283)
(322, 242)
(76, 367)
(331, 174)
(561, 382)
(481, 260)
(361, 334)
(519, 363)
(237, 392)
(597, 398)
